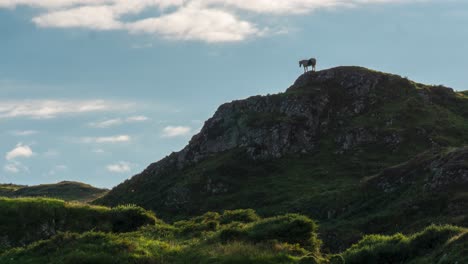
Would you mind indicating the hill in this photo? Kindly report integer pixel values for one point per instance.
(26, 220)
(306, 150)
(66, 190)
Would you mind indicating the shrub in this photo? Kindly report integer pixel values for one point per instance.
(337, 259)
(232, 234)
(127, 218)
(290, 228)
(310, 260)
(399, 248)
(431, 237)
(196, 226)
(240, 215)
(25, 220)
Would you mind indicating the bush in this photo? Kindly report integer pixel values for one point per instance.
(130, 217)
(431, 237)
(399, 248)
(337, 259)
(25, 220)
(240, 215)
(290, 228)
(196, 226)
(232, 234)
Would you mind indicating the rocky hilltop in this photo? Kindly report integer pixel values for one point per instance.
(305, 150)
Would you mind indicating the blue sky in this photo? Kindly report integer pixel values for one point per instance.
(95, 90)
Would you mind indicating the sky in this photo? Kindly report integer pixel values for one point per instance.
(96, 90)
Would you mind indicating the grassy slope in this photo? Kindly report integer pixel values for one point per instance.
(66, 190)
(312, 183)
(241, 236)
(25, 220)
(233, 237)
(325, 184)
(435, 244)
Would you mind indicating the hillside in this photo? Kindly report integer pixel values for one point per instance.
(306, 150)
(26, 220)
(241, 237)
(66, 190)
(238, 236)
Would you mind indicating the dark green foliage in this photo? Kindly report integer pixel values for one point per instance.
(25, 220)
(290, 228)
(129, 218)
(399, 248)
(337, 259)
(198, 240)
(239, 215)
(282, 239)
(233, 233)
(197, 225)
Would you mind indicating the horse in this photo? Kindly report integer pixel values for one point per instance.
(306, 63)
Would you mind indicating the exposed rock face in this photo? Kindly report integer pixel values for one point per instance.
(275, 125)
(342, 111)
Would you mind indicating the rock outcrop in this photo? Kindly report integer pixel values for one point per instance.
(361, 120)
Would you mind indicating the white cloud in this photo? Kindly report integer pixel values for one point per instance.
(22, 133)
(118, 121)
(15, 167)
(189, 23)
(40, 109)
(20, 151)
(201, 20)
(112, 139)
(176, 131)
(92, 17)
(120, 167)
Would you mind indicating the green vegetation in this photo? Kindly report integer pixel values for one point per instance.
(238, 236)
(399, 119)
(25, 220)
(435, 244)
(65, 190)
(281, 239)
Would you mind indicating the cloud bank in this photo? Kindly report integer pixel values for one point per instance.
(118, 121)
(200, 20)
(44, 109)
(111, 139)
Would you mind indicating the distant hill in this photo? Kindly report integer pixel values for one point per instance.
(66, 190)
(308, 150)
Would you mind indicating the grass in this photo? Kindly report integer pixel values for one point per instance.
(435, 244)
(280, 239)
(25, 220)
